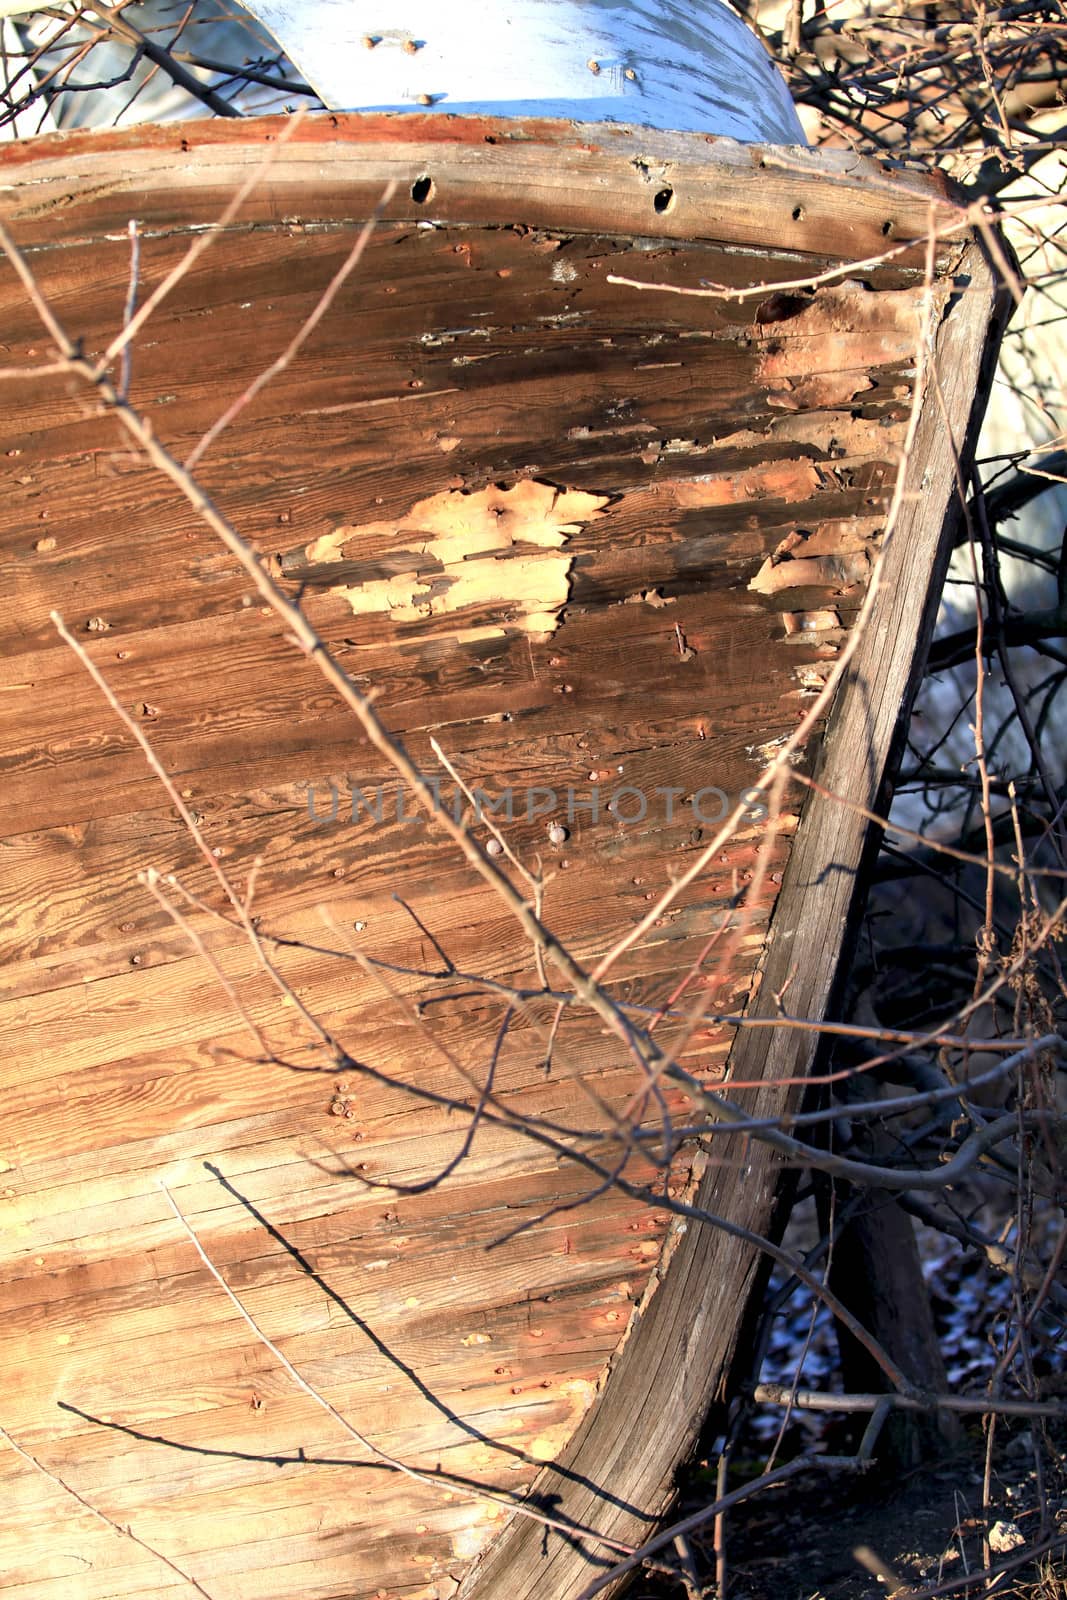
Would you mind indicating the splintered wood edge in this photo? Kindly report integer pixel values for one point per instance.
(563, 176)
(649, 1412)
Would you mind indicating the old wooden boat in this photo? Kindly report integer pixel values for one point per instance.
(586, 536)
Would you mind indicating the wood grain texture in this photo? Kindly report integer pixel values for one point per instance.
(700, 449)
(679, 1351)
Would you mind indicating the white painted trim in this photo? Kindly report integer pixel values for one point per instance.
(694, 67)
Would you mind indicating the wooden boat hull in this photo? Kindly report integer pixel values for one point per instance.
(587, 538)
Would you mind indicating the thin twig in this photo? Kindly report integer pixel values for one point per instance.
(361, 1439)
(108, 1522)
(202, 242)
(303, 333)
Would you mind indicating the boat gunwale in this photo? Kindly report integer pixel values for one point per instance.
(791, 200)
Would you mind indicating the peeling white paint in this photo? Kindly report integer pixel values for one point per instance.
(497, 549)
(842, 571)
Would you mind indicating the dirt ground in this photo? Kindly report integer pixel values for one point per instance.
(924, 1528)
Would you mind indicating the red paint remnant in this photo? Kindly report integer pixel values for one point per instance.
(815, 572)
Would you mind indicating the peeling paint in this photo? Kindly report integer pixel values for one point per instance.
(831, 572)
(833, 538)
(834, 555)
(812, 676)
(803, 623)
(579, 1394)
(822, 355)
(792, 481)
(821, 389)
(467, 551)
(857, 438)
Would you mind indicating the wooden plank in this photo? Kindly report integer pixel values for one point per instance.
(849, 207)
(679, 1350)
(678, 482)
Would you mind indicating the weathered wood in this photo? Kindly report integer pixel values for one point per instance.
(586, 537)
(827, 205)
(677, 1353)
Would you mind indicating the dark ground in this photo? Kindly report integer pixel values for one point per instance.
(798, 1542)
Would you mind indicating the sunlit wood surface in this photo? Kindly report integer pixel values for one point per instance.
(585, 536)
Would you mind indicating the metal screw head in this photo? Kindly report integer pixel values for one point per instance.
(557, 833)
(494, 848)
